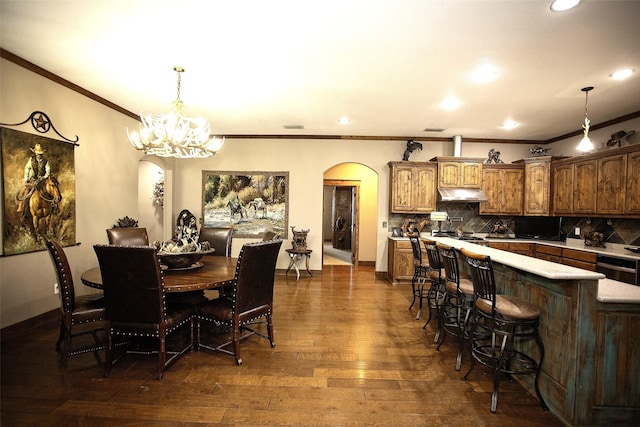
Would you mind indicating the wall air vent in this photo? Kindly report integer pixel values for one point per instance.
(293, 126)
(433, 130)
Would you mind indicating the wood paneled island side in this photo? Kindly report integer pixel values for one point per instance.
(591, 372)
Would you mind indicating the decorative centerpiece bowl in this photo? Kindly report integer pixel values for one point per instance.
(177, 254)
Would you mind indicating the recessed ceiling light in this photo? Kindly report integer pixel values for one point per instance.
(484, 74)
(344, 120)
(621, 74)
(562, 5)
(509, 124)
(450, 103)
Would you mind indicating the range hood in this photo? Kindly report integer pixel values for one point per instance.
(466, 195)
(462, 195)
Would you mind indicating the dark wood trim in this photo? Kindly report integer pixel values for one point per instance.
(596, 127)
(66, 83)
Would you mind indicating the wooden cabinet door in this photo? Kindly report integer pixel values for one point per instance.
(633, 184)
(401, 188)
(612, 184)
(512, 183)
(493, 189)
(425, 188)
(448, 174)
(585, 187)
(470, 175)
(536, 194)
(563, 189)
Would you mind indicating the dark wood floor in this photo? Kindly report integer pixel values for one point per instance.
(348, 352)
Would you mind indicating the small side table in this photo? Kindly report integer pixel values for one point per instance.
(296, 255)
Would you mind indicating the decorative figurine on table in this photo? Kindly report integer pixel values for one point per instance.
(411, 147)
(493, 157)
(186, 227)
(539, 151)
(299, 241)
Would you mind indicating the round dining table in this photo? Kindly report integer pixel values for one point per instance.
(211, 272)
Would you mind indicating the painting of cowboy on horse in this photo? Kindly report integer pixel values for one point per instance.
(39, 191)
(250, 202)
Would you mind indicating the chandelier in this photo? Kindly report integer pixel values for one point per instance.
(174, 134)
(585, 144)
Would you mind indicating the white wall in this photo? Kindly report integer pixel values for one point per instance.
(106, 184)
(567, 147)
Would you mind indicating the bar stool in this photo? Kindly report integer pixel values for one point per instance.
(458, 302)
(436, 293)
(498, 322)
(420, 274)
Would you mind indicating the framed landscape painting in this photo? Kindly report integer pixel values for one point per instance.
(250, 202)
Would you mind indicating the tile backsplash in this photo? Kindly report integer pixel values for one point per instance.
(616, 230)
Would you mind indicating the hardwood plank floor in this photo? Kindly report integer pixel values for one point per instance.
(348, 352)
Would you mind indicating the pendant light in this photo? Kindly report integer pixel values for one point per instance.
(585, 144)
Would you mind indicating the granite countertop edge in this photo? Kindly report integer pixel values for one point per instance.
(609, 291)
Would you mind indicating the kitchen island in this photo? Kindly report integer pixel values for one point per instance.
(591, 372)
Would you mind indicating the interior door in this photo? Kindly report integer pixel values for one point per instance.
(343, 217)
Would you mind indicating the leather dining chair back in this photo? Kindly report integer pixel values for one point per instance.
(135, 301)
(250, 299)
(220, 239)
(128, 236)
(74, 310)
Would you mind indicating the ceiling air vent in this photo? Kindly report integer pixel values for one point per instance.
(433, 130)
(293, 126)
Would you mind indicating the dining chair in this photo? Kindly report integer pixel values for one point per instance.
(220, 239)
(128, 236)
(250, 301)
(135, 304)
(270, 235)
(74, 311)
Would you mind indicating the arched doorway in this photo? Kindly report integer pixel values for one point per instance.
(350, 213)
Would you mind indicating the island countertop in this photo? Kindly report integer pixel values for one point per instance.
(609, 291)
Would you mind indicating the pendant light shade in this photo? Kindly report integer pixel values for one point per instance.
(585, 144)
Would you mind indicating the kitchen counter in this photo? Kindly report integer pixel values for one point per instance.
(611, 249)
(588, 324)
(608, 292)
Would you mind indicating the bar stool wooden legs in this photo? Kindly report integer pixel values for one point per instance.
(501, 324)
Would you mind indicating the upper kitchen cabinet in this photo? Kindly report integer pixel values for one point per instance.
(413, 187)
(632, 203)
(503, 185)
(574, 187)
(537, 186)
(459, 172)
(605, 184)
(585, 186)
(562, 175)
(612, 184)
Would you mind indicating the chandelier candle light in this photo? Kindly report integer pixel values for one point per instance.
(585, 144)
(174, 134)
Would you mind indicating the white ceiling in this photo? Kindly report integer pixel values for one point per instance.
(255, 66)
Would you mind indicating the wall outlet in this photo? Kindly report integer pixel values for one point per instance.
(577, 231)
(384, 224)
(56, 288)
